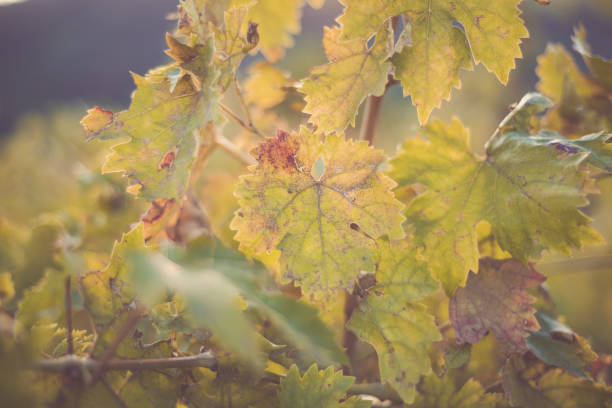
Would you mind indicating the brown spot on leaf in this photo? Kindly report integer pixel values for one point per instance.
(167, 161)
(477, 21)
(278, 152)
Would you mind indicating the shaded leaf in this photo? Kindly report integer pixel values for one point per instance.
(317, 389)
(457, 355)
(399, 331)
(558, 345)
(110, 292)
(555, 389)
(322, 228)
(443, 393)
(528, 192)
(335, 91)
(496, 299)
(582, 100)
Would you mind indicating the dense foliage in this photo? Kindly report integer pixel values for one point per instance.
(307, 268)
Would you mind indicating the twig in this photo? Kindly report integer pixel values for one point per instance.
(68, 305)
(246, 126)
(243, 103)
(206, 359)
(232, 149)
(124, 331)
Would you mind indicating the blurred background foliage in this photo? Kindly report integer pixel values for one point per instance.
(59, 58)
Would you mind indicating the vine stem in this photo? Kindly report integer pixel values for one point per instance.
(234, 150)
(370, 118)
(123, 332)
(247, 126)
(68, 305)
(206, 359)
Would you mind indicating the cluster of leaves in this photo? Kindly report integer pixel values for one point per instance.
(322, 224)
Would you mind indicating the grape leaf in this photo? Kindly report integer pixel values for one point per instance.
(165, 111)
(210, 297)
(109, 292)
(233, 42)
(495, 299)
(44, 302)
(555, 389)
(277, 20)
(317, 389)
(429, 67)
(334, 91)
(558, 345)
(582, 100)
(230, 275)
(264, 88)
(528, 192)
(443, 393)
(322, 228)
(399, 331)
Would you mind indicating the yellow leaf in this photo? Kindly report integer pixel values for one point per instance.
(323, 228)
(334, 91)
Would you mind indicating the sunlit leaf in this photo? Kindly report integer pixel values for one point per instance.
(335, 91)
(323, 228)
(528, 192)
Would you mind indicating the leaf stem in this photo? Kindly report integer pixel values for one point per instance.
(234, 150)
(246, 126)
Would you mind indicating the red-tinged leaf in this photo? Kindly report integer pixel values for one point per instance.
(495, 299)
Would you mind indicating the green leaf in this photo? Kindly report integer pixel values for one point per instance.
(443, 393)
(110, 292)
(44, 302)
(323, 228)
(399, 331)
(209, 296)
(317, 389)
(457, 355)
(529, 193)
(335, 91)
(556, 344)
(555, 389)
(298, 322)
(428, 68)
(496, 299)
(600, 67)
(160, 123)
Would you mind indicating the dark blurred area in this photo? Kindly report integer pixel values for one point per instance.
(76, 51)
(59, 52)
